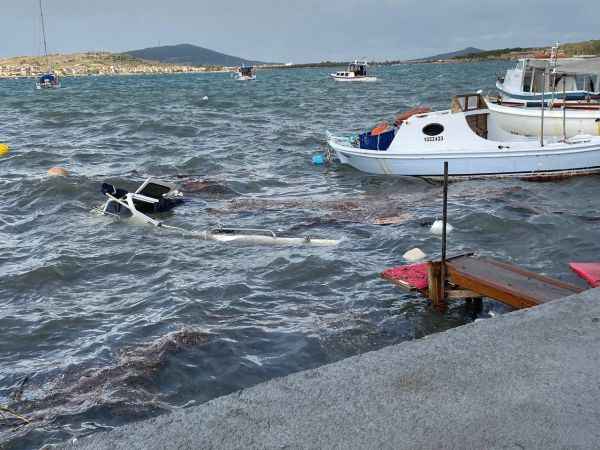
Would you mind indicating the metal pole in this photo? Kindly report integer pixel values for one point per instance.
(444, 222)
(564, 110)
(44, 37)
(543, 101)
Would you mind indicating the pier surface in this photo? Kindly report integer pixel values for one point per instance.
(525, 380)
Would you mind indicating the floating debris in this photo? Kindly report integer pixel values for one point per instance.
(414, 255)
(392, 220)
(438, 228)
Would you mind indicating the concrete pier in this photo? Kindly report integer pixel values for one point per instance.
(526, 380)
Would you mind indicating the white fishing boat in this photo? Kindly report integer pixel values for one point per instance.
(469, 138)
(49, 80)
(357, 71)
(245, 73)
(573, 79)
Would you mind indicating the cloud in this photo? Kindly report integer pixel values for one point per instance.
(311, 30)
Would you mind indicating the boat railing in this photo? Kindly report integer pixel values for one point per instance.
(467, 102)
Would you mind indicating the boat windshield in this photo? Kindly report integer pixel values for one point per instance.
(358, 69)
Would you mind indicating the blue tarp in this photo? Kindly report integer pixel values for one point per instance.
(381, 142)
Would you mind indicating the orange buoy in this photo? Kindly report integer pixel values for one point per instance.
(57, 172)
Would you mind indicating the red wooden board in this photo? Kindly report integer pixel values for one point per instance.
(413, 276)
(590, 272)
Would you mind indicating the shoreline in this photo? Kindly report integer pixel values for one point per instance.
(132, 74)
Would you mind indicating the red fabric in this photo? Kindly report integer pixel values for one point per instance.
(400, 118)
(413, 274)
(380, 128)
(590, 272)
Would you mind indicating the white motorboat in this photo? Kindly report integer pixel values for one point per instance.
(245, 73)
(49, 80)
(357, 71)
(573, 79)
(469, 138)
(155, 196)
(565, 119)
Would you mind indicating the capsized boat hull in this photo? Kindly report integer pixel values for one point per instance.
(527, 121)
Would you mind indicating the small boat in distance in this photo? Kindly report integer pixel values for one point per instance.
(469, 138)
(357, 71)
(48, 80)
(246, 73)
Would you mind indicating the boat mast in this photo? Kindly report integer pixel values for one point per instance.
(44, 37)
(554, 63)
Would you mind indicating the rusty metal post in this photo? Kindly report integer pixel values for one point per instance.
(442, 287)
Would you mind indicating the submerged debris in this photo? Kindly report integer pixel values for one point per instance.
(368, 211)
(130, 385)
(207, 187)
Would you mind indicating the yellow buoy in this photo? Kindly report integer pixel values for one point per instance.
(57, 172)
(4, 149)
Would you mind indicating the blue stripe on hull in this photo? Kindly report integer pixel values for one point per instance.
(571, 96)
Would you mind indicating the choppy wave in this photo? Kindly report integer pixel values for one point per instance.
(106, 322)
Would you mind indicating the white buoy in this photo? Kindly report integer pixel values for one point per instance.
(438, 227)
(205, 98)
(414, 255)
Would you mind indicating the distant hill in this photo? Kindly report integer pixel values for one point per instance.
(189, 55)
(456, 54)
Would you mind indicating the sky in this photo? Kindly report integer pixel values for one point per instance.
(296, 31)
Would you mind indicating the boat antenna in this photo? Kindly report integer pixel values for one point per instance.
(44, 37)
(543, 107)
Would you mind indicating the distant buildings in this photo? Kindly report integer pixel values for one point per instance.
(92, 64)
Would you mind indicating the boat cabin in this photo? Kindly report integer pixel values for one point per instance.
(48, 80)
(246, 71)
(355, 69)
(527, 78)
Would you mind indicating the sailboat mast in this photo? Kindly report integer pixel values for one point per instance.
(44, 36)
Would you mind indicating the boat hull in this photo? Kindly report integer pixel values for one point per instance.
(364, 79)
(552, 162)
(527, 121)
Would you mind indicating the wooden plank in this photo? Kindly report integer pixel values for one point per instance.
(458, 294)
(506, 283)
